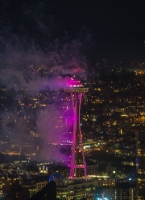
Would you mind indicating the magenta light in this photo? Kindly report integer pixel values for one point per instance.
(77, 134)
(77, 143)
(74, 83)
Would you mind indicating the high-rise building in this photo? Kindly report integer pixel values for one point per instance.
(141, 166)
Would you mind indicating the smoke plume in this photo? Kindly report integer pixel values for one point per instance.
(35, 64)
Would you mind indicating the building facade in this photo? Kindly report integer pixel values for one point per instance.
(141, 166)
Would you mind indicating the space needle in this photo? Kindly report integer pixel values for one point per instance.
(77, 163)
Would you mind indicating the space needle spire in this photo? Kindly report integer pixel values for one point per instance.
(77, 152)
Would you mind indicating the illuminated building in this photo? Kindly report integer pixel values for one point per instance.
(79, 189)
(141, 165)
(77, 156)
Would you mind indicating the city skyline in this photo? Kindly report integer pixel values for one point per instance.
(44, 45)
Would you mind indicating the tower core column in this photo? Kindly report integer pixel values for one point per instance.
(78, 164)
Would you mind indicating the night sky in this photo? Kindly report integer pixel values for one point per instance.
(114, 30)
